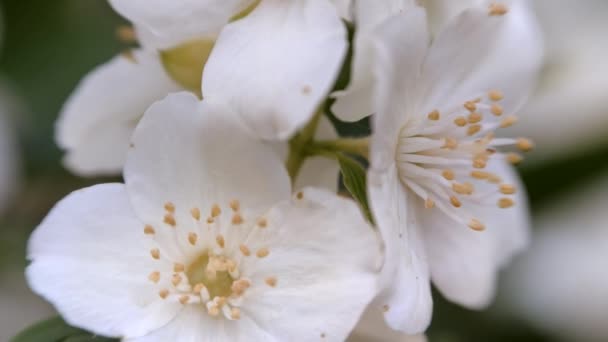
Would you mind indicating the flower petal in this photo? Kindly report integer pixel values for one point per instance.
(196, 154)
(97, 121)
(356, 101)
(277, 64)
(324, 256)
(194, 324)
(400, 45)
(465, 263)
(169, 23)
(89, 258)
(372, 327)
(406, 297)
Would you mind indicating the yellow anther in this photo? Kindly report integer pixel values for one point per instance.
(479, 162)
(245, 250)
(220, 241)
(429, 203)
(210, 220)
(514, 158)
(213, 310)
(271, 281)
(149, 230)
(198, 288)
(480, 174)
(463, 189)
(300, 195)
(460, 121)
(505, 202)
(496, 109)
(235, 313)
(170, 220)
(450, 143)
(177, 267)
(473, 129)
(126, 34)
(196, 213)
(475, 224)
(262, 222)
(448, 174)
(470, 106)
(192, 237)
(237, 218)
(215, 210)
(494, 179)
(497, 9)
(163, 293)
(235, 205)
(455, 201)
(474, 117)
(495, 95)
(154, 276)
(524, 144)
(176, 279)
(262, 252)
(507, 189)
(184, 299)
(508, 121)
(239, 286)
(434, 115)
(170, 207)
(155, 253)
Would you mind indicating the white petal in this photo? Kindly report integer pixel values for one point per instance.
(277, 64)
(344, 8)
(465, 263)
(372, 327)
(400, 45)
(324, 256)
(466, 42)
(196, 154)
(442, 12)
(405, 274)
(89, 258)
(320, 171)
(193, 324)
(356, 101)
(169, 23)
(97, 121)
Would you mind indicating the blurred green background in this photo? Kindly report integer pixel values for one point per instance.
(47, 48)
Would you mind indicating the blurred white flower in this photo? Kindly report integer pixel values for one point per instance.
(561, 283)
(275, 79)
(435, 179)
(204, 241)
(571, 99)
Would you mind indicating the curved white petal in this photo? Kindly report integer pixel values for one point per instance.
(465, 263)
(356, 101)
(442, 12)
(165, 24)
(276, 65)
(193, 324)
(196, 154)
(400, 45)
(372, 327)
(98, 119)
(405, 276)
(345, 8)
(89, 258)
(320, 171)
(324, 256)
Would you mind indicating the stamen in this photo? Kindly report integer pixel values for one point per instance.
(196, 213)
(235, 205)
(170, 207)
(495, 95)
(455, 201)
(473, 129)
(155, 253)
(262, 252)
(220, 241)
(474, 117)
(299, 195)
(429, 203)
(450, 143)
(524, 144)
(177, 267)
(237, 219)
(176, 279)
(164, 293)
(475, 224)
(235, 313)
(460, 121)
(508, 121)
(215, 210)
(496, 109)
(184, 299)
(192, 237)
(434, 115)
(262, 222)
(507, 189)
(505, 202)
(245, 250)
(271, 281)
(448, 174)
(154, 277)
(149, 230)
(498, 9)
(170, 220)
(470, 106)
(514, 158)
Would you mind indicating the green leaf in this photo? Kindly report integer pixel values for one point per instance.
(56, 330)
(354, 179)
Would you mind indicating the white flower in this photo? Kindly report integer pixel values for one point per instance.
(561, 283)
(204, 241)
(434, 146)
(275, 78)
(372, 327)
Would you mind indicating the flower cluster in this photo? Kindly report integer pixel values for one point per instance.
(231, 224)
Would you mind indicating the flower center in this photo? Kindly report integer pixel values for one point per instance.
(213, 272)
(444, 157)
(207, 254)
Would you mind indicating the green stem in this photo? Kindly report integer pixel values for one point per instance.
(356, 146)
(298, 146)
